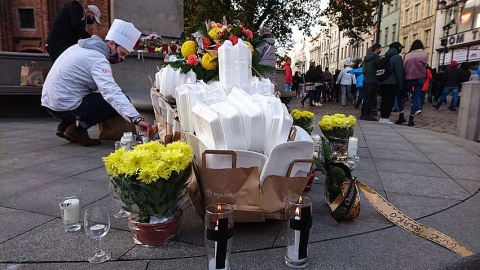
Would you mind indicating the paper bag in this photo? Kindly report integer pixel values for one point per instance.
(113, 128)
(241, 188)
(33, 74)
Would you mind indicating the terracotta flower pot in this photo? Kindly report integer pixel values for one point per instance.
(154, 234)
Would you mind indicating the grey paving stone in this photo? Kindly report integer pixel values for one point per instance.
(461, 171)
(427, 186)
(465, 159)
(398, 154)
(385, 138)
(16, 222)
(117, 265)
(21, 180)
(410, 167)
(470, 186)
(43, 199)
(419, 206)
(390, 146)
(49, 242)
(69, 166)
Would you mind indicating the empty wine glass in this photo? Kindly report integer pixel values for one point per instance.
(97, 224)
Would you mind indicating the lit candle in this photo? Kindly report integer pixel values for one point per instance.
(352, 146)
(297, 232)
(71, 211)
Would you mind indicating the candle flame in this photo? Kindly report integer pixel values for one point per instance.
(219, 208)
(300, 199)
(297, 211)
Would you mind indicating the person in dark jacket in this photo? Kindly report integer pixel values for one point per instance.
(452, 78)
(370, 82)
(296, 83)
(318, 85)
(69, 26)
(266, 50)
(310, 85)
(392, 85)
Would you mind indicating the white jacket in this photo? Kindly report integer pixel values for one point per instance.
(345, 78)
(80, 70)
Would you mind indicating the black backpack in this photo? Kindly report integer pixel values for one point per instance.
(384, 70)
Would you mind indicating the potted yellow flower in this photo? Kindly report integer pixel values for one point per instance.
(337, 129)
(150, 180)
(303, 119)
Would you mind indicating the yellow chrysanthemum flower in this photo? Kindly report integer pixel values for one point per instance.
(207, 62)
(214, 33)
(188, 48)
(250, 46)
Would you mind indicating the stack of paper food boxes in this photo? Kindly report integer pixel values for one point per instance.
(239, 112)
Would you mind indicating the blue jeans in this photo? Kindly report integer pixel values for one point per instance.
(446, 91)
(93, 110)
(359, 97)
(287, 87)
(416, 96)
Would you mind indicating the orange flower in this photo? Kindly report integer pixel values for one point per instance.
(192, 60)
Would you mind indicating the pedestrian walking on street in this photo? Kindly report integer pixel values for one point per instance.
(266, 51)
(452, 78)
(69, 26)
(425, 88)
(310, 85)
(390, 87)
(345, 80)
(327, 80)
(296, 83)
(359, 77)
(318, 85)
(370, 82)
(415, 72)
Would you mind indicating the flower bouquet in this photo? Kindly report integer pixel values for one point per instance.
(337, 129)
(200, 50)
(303, 119)
(150, 180)
(151, 42)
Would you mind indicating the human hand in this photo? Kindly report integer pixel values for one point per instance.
(146, 128)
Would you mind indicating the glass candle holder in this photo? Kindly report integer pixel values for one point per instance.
(298, 219)
(218, 235)
(70, 212)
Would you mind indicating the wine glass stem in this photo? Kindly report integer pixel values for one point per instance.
(98, 249)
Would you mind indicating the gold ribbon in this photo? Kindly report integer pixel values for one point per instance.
(401, 220)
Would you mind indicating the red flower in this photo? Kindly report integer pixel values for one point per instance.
(217, 46)
(173, 47)
(206, 42)
(233, 39)
(219, 25)
(192, 60)
(247, 32)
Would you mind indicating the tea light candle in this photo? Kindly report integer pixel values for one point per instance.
(71, 211)
(352, 146)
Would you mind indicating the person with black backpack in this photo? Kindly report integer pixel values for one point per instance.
(390, 86)
(370, 64)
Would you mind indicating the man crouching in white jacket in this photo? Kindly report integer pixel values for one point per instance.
(80, 89)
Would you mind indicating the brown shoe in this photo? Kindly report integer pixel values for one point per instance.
(83, 139)
(62, 127)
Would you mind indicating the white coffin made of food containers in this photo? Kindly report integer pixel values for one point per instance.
(252, 118)
(186, 96)
(207, 126)
(232, 125)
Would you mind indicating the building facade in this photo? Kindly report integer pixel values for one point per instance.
(25, 24)
(390, 26)
(457, 32)
(417, 21)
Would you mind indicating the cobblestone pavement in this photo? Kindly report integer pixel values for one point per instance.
(443, 120)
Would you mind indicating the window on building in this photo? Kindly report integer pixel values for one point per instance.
(417, 13)
(429, 8)
(26, 18)
(385, 40)
(466, 19)
(415, 36)
(396, 4)
(407, 18)
(388, 8)
(428, 34)
(341, 56)
(405, 41)
(394, 32)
